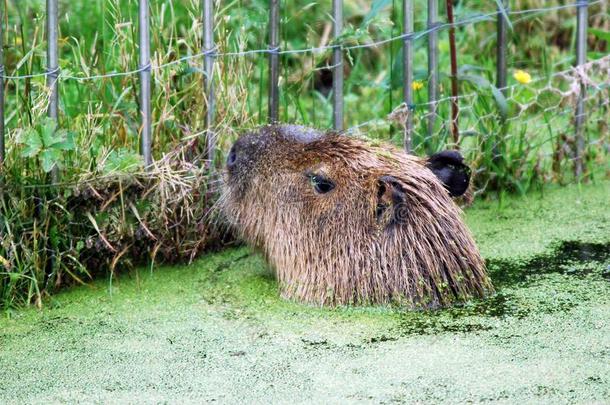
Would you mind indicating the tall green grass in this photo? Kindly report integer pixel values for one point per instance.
(100, 36)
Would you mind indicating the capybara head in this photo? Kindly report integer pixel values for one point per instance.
(345, 221)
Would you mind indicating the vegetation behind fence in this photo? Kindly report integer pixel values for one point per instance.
(76, 195)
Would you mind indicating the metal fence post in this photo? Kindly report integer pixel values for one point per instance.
(407, 68)
(208, 49)
(455, 108)
(145, 85)
(52, 68)
(581, 57)
(501, 46)
(432, 63)
(2, 147)
(501, 74)
(337, 66)
(274, 60)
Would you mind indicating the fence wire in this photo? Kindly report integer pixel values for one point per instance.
(488, 17)
(490, 118)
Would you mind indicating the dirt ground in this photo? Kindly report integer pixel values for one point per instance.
(217, 331)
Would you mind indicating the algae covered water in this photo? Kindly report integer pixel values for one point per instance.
(585, 261)
(217, 330)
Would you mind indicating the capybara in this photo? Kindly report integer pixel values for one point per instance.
(343, 220)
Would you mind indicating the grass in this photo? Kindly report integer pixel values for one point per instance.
(93, 109)
(515, 142)
(217, 330)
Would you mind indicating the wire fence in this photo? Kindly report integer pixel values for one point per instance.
(586, 83)
(211, 50)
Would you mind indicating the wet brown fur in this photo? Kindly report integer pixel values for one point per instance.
(336, 248)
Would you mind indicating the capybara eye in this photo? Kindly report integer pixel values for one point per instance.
(232, 158)
(321, 184)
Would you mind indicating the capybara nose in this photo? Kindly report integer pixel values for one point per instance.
(232, 157)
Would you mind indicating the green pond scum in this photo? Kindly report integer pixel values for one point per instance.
(216, 330)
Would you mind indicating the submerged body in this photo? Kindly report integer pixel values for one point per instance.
(343, 221)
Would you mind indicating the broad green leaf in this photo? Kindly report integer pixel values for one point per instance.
(67, 141)
(504, 13)
(478, 81)
(467, 68)
(601, 34)
(376, 7)
(593, 55)
(500, 101)
(33, 143)
(53, 236)
(49, 133)
(122, 160)
(49, 158)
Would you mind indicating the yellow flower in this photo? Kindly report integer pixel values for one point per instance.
(522, 76)
(417, 85)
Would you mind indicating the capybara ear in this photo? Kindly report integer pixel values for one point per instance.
(450, 169)
(390, 200)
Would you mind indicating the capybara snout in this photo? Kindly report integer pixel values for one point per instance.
(346, 221)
